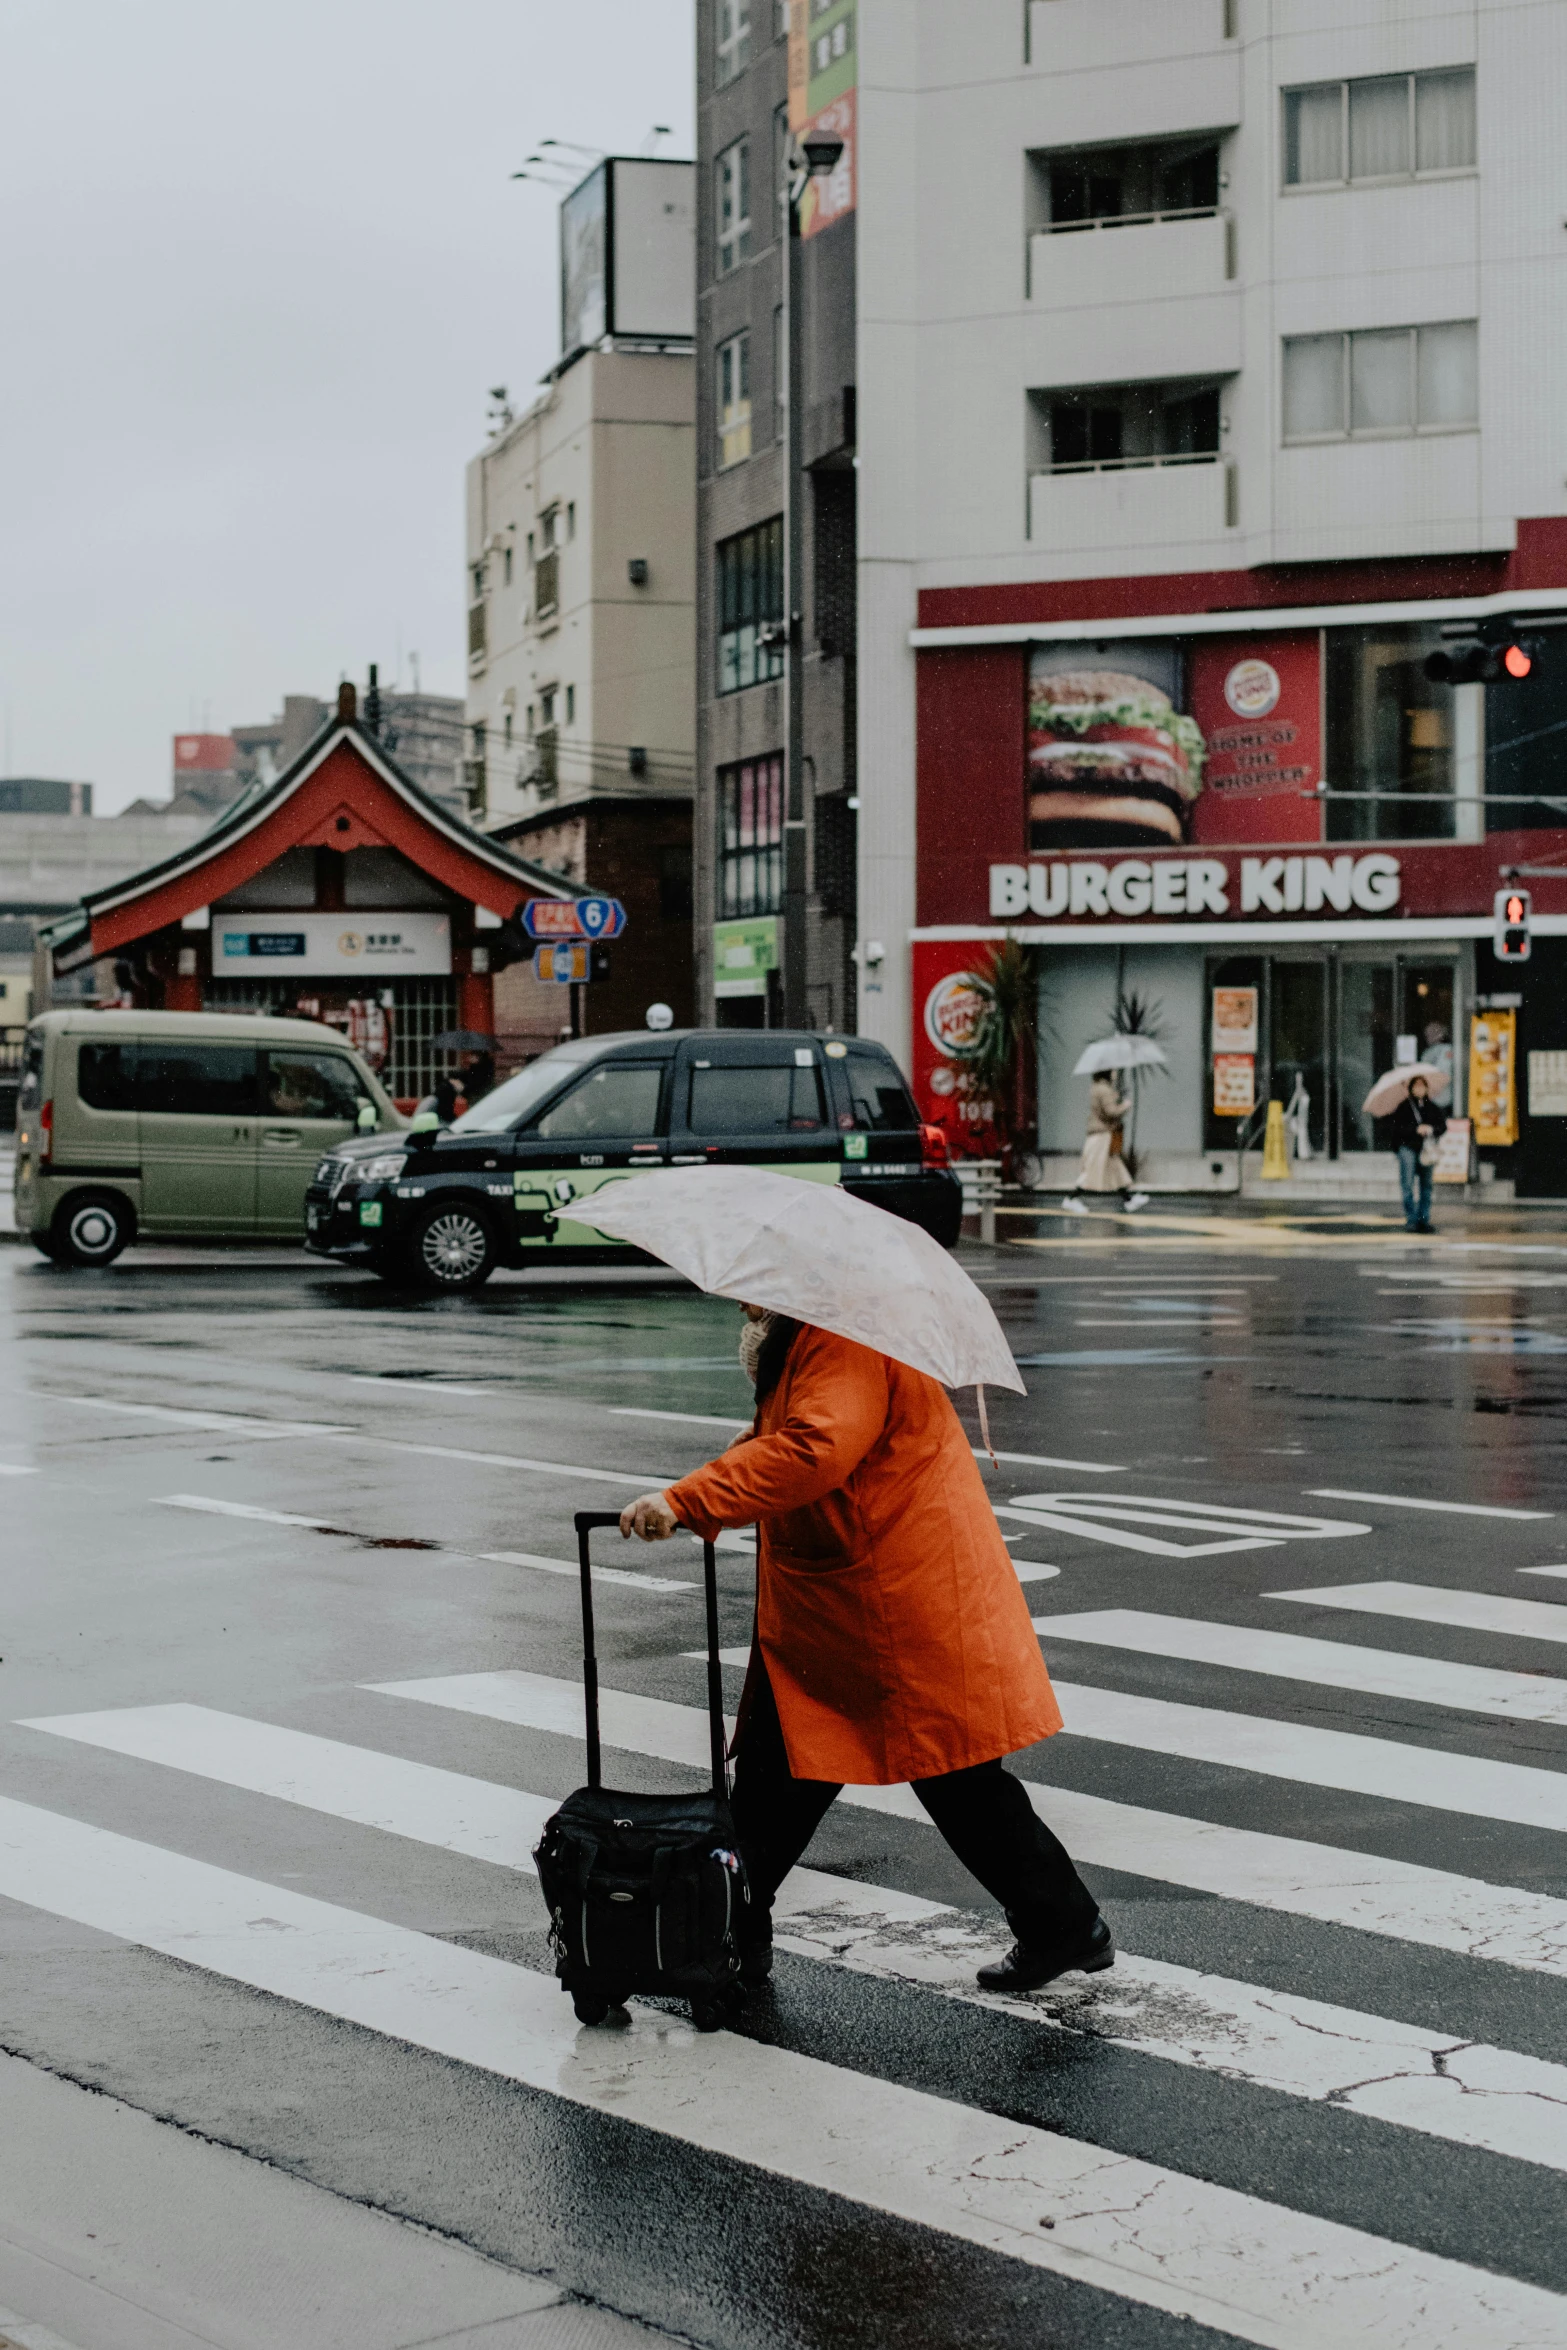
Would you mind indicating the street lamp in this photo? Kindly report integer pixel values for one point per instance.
(809, 159)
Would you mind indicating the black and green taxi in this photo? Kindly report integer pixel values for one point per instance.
(443, 1207)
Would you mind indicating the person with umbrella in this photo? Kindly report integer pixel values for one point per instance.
(1415, 1125)
(892, 1641)
(1103, 1168)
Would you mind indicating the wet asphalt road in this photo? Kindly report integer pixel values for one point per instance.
(1290, 2051)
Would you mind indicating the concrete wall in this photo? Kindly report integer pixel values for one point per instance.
(611, 441)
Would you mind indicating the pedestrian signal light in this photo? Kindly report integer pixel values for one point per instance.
(1483, 660)
(1512, 926)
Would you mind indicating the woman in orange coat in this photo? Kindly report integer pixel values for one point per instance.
(893, 1641)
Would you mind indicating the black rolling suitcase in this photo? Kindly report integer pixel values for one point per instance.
(646, 1892)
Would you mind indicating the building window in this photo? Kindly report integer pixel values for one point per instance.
(1383, 382)
(571, 705)
(750, 837)
(780, 376)
(782, 143)
(1388, 127)
(1392, 733)
(833, 42)
(750, 605)
(780, 20)
(506, 725)
(571, 518)
(549, 527)
(1178, 423)
(506, 566)
(530, 548)
(734, 40)
(547, 706)
(732, 190)
(734, 400)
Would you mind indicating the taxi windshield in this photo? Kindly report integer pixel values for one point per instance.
(502, 1108)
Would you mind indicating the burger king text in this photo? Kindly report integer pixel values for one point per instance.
(1078, 886)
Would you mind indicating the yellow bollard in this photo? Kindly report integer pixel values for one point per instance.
(1275, 1158)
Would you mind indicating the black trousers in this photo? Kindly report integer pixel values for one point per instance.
(984, 1814)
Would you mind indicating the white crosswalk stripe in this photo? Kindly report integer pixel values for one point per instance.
(1256, 2271)
(1428, 1603)
(1399, 1899)
(1487, 2097)
(1424, 1501)
(1327, 1664)
(549, 1566)
(1123, 1521)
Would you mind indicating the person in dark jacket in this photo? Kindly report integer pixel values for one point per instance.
(1415, 1127)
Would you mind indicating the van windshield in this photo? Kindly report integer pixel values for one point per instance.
(507, 1104)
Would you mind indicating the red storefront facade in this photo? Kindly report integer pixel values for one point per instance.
(1168, 786)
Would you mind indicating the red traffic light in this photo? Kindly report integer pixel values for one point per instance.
(1517, 661)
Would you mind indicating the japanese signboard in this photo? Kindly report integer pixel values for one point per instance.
(1493, 1086)
(1234, 1085)
(822, 76)
(401, 946)
(573, 917)
(743, 954)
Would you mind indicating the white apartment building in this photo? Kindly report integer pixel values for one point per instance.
(1212, 351)
(580, 567)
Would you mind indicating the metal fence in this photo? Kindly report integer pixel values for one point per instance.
(420, 1009)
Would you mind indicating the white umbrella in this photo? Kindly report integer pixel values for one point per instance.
(1120, 1052)
(1390, 1088)
(810, 1251)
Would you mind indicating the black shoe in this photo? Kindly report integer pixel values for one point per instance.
(1029, 1966)
(756, 1963)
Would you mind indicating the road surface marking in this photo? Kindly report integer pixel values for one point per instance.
(1399, 1899)
(1034, 1571)
(1257, 2271)
(1429, 1603)
(1383, 1767)
(229, 1423)
(648, 1479)
(235, 1509)
(16, 1469)
(1043, 1460)
(1325, 1664)
(1414, 1501)
(1114, 1519)
(1562, 1571)
(1268, 2039)
(384, 1379)
(627, 1411)
(528, 1558)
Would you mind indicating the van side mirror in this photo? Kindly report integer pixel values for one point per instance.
(367, 1117)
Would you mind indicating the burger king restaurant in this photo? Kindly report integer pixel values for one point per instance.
(1276, 851)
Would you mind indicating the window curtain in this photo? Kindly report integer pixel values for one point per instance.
(1314, 135)
(1379, 128)
(1445, 120)
(1448, 372)
(1381, 394)
(1313, 386)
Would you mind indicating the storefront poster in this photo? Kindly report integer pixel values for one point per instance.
(1234, 1085)
(1257, 701)
(951, 1001)
(1453, 1152)
(1548, 1085)
(1112, 760)
(1234, 1020)
(1493, 1088)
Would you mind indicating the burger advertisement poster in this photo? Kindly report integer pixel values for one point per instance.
(1156, 744)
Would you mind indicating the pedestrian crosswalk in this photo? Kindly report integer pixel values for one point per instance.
(1511, 2104)
(1134, 2217)
(1141, 2231)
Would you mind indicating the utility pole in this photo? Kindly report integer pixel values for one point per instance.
(813, 159)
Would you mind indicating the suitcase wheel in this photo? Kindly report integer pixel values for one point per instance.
(711, 2015)
(591, 2006)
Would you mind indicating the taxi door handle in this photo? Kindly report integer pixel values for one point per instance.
(280, 1137)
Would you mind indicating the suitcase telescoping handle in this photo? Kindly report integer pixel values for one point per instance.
(588, 1522)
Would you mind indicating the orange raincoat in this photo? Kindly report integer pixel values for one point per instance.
(889, 1616)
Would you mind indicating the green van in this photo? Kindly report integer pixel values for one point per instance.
(184, 1125)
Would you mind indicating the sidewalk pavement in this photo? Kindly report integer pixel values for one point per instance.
(119, 2232)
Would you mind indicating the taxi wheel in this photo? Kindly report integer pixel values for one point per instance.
(452, 1247)
(90, 1228)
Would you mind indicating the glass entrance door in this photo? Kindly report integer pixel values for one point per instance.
(1365, 1046)
(1300, 1058)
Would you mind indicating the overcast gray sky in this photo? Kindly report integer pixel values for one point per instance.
(259, 266)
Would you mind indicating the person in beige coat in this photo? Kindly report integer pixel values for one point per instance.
(1103, 1168)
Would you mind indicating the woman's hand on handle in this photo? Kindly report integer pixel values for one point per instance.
(650, 1516)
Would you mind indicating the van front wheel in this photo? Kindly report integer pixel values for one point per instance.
(91, 1228)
